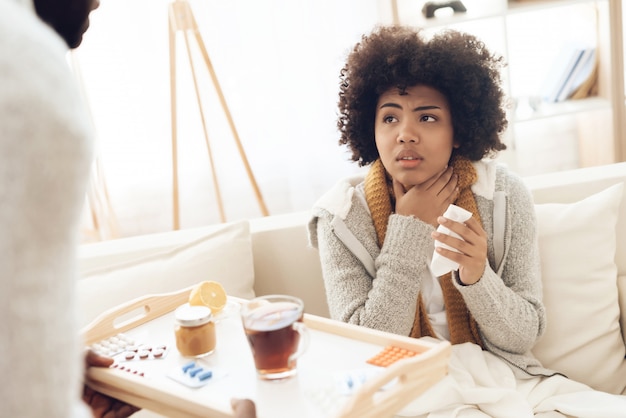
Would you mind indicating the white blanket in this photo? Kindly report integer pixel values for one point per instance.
(480, 384)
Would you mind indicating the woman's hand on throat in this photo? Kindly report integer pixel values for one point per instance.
(429, 200)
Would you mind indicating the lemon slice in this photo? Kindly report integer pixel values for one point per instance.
(208, 293)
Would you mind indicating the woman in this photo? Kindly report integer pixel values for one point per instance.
(425, 114)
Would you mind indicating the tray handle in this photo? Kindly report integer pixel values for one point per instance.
(144, 309)
(415, 375)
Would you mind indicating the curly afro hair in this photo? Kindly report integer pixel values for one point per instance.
(456, 64)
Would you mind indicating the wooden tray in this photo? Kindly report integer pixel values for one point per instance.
(335, 350)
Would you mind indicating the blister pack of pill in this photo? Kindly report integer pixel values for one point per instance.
(112, 346)
(143, 352)
(128, 369)
(194, 375)
(347, 382)
(389, 355)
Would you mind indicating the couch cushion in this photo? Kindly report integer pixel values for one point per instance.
(621, 287)
(583, 337)
(175, 260)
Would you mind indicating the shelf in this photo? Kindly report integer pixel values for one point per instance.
(535, 5)
(568, 107)
(529, 34)
(410, 13)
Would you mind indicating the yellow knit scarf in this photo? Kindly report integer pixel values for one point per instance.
(379, 196)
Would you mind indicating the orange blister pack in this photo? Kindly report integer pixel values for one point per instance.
(390, 355)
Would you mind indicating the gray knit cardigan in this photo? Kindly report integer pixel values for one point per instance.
(507, 306)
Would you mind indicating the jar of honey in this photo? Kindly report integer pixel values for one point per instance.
(194, 330)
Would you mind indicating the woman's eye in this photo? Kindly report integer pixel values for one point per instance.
(427, 118)
(389, 119)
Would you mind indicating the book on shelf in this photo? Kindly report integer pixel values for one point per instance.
(589, 86)
(573, 67)
(584, 68)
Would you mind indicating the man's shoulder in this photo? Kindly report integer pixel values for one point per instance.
(32, 55)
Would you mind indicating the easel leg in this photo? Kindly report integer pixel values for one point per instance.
(175, 197)
(231, 124)
(181, 18)
(216, 185)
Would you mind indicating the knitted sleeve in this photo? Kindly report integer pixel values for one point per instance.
(388, 301)
(508, 309)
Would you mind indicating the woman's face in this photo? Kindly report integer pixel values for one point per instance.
(414, 133)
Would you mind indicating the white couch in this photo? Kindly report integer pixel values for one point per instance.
(582, 242)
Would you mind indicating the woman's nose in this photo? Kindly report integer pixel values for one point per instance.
(407, 134)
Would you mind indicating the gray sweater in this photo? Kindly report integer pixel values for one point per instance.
(507, 306)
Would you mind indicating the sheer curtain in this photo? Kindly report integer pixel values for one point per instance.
(277, 62)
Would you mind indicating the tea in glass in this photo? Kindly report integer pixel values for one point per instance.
(276, 334)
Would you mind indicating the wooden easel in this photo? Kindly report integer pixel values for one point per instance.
(104, 224)
(181, 19)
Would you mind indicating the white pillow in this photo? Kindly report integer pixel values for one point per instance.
(621, 287)
(161, 263)
(577, 245)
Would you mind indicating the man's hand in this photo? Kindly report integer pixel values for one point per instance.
(103, 406)
(244, 408)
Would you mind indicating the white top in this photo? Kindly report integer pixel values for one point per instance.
(432, 296)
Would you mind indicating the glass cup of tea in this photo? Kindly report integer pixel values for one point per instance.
(276, 334)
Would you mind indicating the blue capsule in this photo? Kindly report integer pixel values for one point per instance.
(206, 375)
(194, 372)
(189, 366)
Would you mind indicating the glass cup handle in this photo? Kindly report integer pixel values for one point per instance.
(303, 344)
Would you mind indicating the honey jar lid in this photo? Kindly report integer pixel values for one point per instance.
(192, 316)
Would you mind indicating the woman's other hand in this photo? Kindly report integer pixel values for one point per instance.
(472, 255)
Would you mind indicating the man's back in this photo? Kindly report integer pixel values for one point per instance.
(45, 156)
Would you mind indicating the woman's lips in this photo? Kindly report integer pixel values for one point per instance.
(409, 159)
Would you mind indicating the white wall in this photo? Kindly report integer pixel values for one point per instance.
(277, 62)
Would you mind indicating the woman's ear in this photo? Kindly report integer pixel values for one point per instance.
(456, 144)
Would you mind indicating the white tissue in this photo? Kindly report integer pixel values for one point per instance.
(441, 265)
